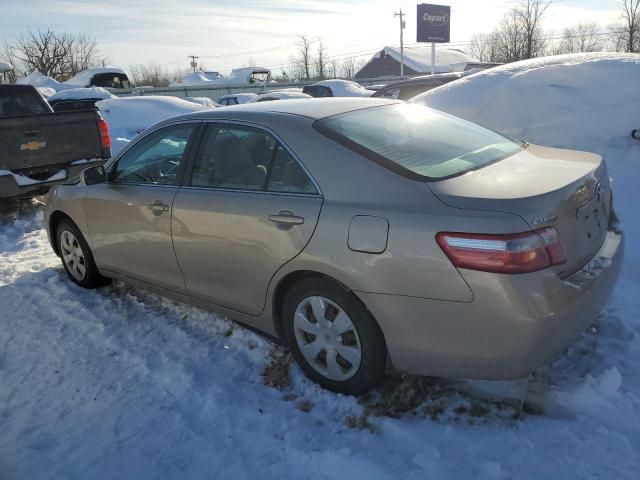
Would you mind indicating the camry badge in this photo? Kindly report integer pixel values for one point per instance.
(539, 220)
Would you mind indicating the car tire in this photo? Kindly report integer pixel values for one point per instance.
(333, 337)
(76, 256)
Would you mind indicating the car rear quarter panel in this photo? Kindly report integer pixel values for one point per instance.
(412, 264)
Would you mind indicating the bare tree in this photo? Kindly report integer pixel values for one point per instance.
(84, 55)
(582, 37)
(631, 18)
(519, 34)
(154, 75)
(304, 55)
(530, 13)
(58, 55)
(349, 67)
(321, 61)
(484, 47)
(332, 68)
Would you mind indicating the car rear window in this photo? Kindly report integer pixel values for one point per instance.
(21, 101)
(418, 141)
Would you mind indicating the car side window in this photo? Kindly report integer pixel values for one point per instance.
(156, 159)
(234, 158)
(287, 176)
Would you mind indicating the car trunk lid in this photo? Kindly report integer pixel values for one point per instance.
(567, 189)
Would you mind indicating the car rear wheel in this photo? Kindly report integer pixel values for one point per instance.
(77, 258)
(333, 337)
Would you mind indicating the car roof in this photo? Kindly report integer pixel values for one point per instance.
(313, 108)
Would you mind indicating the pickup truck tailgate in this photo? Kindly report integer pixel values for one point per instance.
(28, 142)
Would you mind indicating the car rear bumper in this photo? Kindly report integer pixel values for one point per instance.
(514, 325)
(10, 188)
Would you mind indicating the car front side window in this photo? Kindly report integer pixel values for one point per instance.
(156, 159)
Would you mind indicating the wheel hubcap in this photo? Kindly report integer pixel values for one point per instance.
(72, 255)
(327, 338)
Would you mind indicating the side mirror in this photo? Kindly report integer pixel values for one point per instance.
(94, 175)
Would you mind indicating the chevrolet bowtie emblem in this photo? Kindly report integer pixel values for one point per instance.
(33, 145)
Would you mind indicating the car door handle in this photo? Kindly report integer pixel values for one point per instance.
(158, 207)
(285, 217)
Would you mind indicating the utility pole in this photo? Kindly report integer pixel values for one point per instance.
(402, 25)
(194, 64)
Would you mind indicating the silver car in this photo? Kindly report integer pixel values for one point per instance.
(366, 234)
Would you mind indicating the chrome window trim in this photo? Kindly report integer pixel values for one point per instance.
(261, 192)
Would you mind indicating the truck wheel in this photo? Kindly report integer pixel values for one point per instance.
(77, 258)
(333, 337)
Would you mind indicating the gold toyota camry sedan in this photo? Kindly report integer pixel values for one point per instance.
(366, 234)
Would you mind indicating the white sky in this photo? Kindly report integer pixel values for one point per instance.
(226, 33)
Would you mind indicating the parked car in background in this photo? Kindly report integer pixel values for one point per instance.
(283, 94)
(5, 68)
(40, 148)
(110, 77)
(336, 88)
(76, 99)
(236, 98)
(406, 89)
(238, 76)
(442, 249)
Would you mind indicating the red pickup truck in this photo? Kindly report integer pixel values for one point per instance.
(40, 148)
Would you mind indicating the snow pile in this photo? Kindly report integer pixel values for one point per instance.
(37, 79)
(129, 116)
(204, 101)
(82, 94)
(345, 88)
(238, 76)
(418, 58)
(197, 78)
(572, 101)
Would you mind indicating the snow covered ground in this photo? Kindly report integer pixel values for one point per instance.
(120, 383)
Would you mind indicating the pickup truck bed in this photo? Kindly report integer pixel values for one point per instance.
(40, 149)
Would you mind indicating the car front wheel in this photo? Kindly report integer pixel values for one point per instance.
(77, 258)
(333, 337)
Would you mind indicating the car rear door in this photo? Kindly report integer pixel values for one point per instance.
(129, 216)
(247, 207)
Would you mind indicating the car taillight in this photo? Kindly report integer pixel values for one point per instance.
(105, 138)
(511, 253)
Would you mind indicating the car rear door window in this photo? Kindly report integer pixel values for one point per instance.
(244, 158)
(156, 159)
(287, 176)
(234, 158)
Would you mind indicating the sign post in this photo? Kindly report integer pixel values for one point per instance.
(434, 26)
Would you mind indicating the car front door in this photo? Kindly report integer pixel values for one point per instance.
(247, 208)
(129, 216)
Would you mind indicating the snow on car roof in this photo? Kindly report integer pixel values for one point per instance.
(345, 88)
(82, 94)
(575, 100)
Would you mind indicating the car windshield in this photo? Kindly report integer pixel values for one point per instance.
(419, 140)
